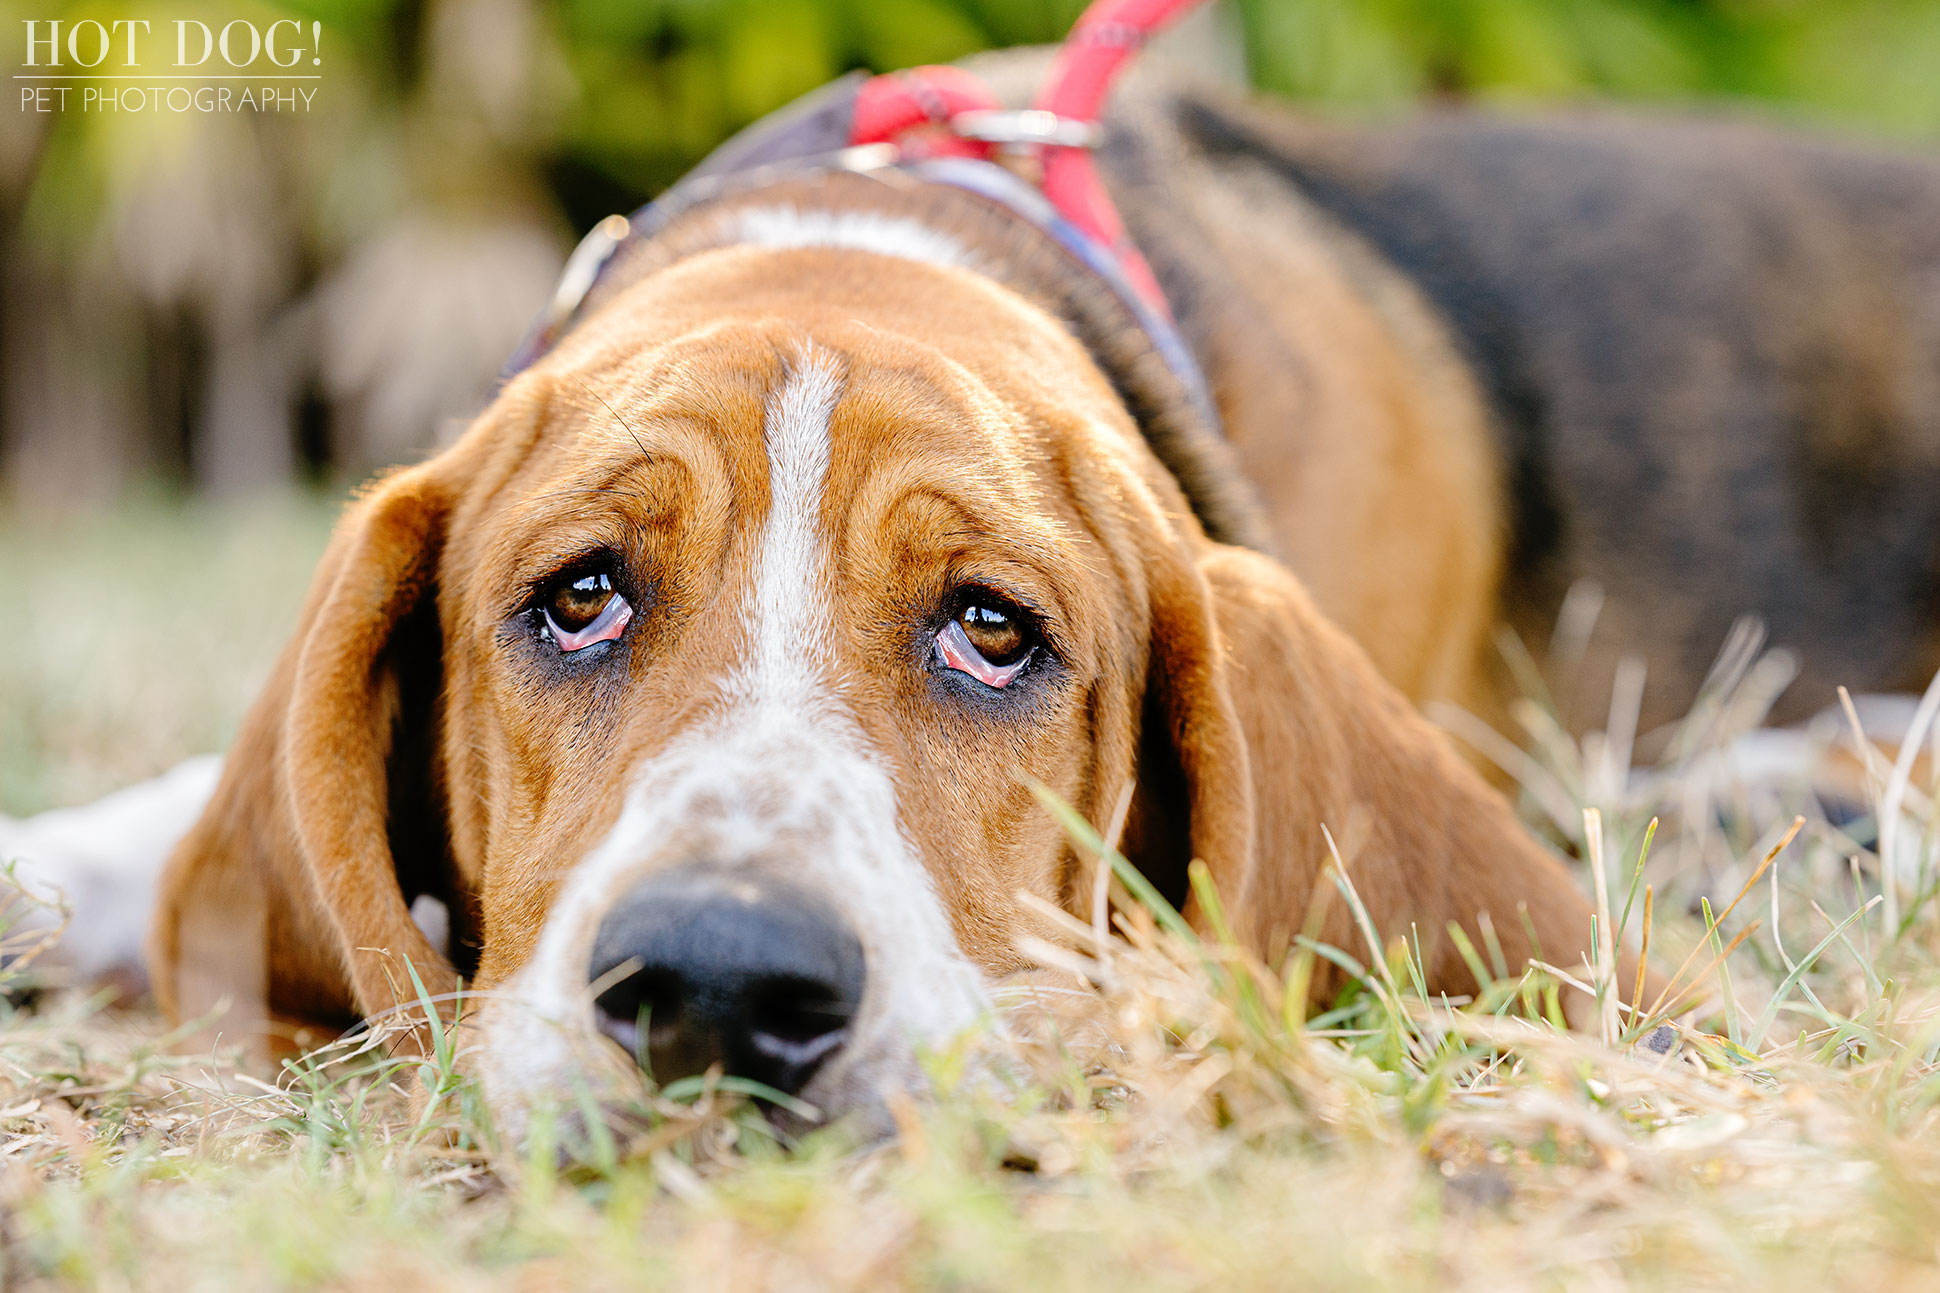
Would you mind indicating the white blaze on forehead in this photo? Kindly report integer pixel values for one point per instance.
(780, 775)
(789, 226)
(791, 574)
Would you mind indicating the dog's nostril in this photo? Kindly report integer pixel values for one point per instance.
(796, 1020)
(797, 1009)
(649, 999)
(757, 976)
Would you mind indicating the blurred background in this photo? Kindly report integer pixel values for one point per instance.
(211, 325)
(220, 303)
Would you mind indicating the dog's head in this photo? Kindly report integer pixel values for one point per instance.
(753, 616)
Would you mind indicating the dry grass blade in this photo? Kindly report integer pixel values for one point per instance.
(1605, 949)
(1659, 1010)
(1798, 823)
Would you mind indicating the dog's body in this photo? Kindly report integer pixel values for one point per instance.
(811, 431)
(1708, 355)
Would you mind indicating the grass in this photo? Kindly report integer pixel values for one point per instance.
(1176, 1122)
(140, 635)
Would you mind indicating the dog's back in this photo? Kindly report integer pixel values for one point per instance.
(1709, 351)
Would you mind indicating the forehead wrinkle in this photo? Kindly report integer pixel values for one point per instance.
(602, 477)
(699, 373)
(974, 493)
(973, 525)
(683, 426)
(914, 423)
(914, 377)
(600, 491)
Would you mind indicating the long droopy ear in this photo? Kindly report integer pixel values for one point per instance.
(1280, 725)
(285, 901)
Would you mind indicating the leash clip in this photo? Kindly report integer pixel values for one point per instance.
(1025, 127)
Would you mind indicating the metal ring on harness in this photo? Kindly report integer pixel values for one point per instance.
(1027, 127)
(930, 112)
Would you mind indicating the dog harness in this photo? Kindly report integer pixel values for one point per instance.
(939, 125)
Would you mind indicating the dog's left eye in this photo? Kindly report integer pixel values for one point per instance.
(583, 609)
(986, 642)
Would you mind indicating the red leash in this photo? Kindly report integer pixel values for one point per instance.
(946, 112)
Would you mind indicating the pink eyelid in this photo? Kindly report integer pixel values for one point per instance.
(955, 651)
(607, 625)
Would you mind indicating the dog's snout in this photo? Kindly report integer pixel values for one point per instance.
(752, 973)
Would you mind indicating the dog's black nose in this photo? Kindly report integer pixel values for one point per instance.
(751, 973)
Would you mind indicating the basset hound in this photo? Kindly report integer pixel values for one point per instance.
(709, 679)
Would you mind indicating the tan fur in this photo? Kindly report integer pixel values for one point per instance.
(1364, 435)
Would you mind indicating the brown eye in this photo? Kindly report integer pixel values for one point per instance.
(985, 643)
(583, 610)
(997, 637)
(574, 605)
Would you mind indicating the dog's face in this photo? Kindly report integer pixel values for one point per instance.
(764, 601)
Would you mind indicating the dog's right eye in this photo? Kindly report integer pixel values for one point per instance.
(583, 609)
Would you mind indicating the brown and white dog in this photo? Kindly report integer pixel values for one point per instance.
(706, 679)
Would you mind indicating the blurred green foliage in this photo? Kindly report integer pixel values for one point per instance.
(1868, 62)
(657, 82)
